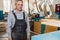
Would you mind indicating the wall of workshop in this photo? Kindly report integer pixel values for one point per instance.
(1, 4)
(12, 4)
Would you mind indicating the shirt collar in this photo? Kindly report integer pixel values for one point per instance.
(16, 11)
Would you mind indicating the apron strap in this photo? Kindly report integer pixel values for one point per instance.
(24, 15)
(14, 15)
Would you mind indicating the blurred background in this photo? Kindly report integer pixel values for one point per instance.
(44, 15)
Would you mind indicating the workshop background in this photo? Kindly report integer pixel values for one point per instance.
(44, 16)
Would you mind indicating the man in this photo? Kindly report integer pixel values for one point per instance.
(18, 23)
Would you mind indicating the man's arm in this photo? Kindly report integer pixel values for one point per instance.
(9, 26)
(28, 26)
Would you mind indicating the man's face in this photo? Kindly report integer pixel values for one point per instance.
(19, 5)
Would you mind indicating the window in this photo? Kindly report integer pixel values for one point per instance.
(6, 5)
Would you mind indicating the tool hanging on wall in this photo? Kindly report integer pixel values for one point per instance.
(52, 12)
(36, 5)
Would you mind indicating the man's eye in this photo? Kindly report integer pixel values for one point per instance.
(20, 4)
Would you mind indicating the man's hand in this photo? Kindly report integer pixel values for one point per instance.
(28, 37)
(9, 38)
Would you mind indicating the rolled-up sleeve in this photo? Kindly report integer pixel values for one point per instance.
(9, 25)
(28, 26)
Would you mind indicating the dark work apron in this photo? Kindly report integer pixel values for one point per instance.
(19, 29)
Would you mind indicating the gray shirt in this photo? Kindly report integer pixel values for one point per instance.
(11, 21)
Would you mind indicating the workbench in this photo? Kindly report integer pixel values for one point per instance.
(47, 36)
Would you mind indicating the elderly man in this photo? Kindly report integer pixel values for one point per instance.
(18, 23)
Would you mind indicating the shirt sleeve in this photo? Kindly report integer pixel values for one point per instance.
(9, 25)
(28, 26)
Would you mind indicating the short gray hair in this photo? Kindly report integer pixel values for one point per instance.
(18, 0)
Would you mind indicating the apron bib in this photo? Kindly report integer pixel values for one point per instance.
(19, 29)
